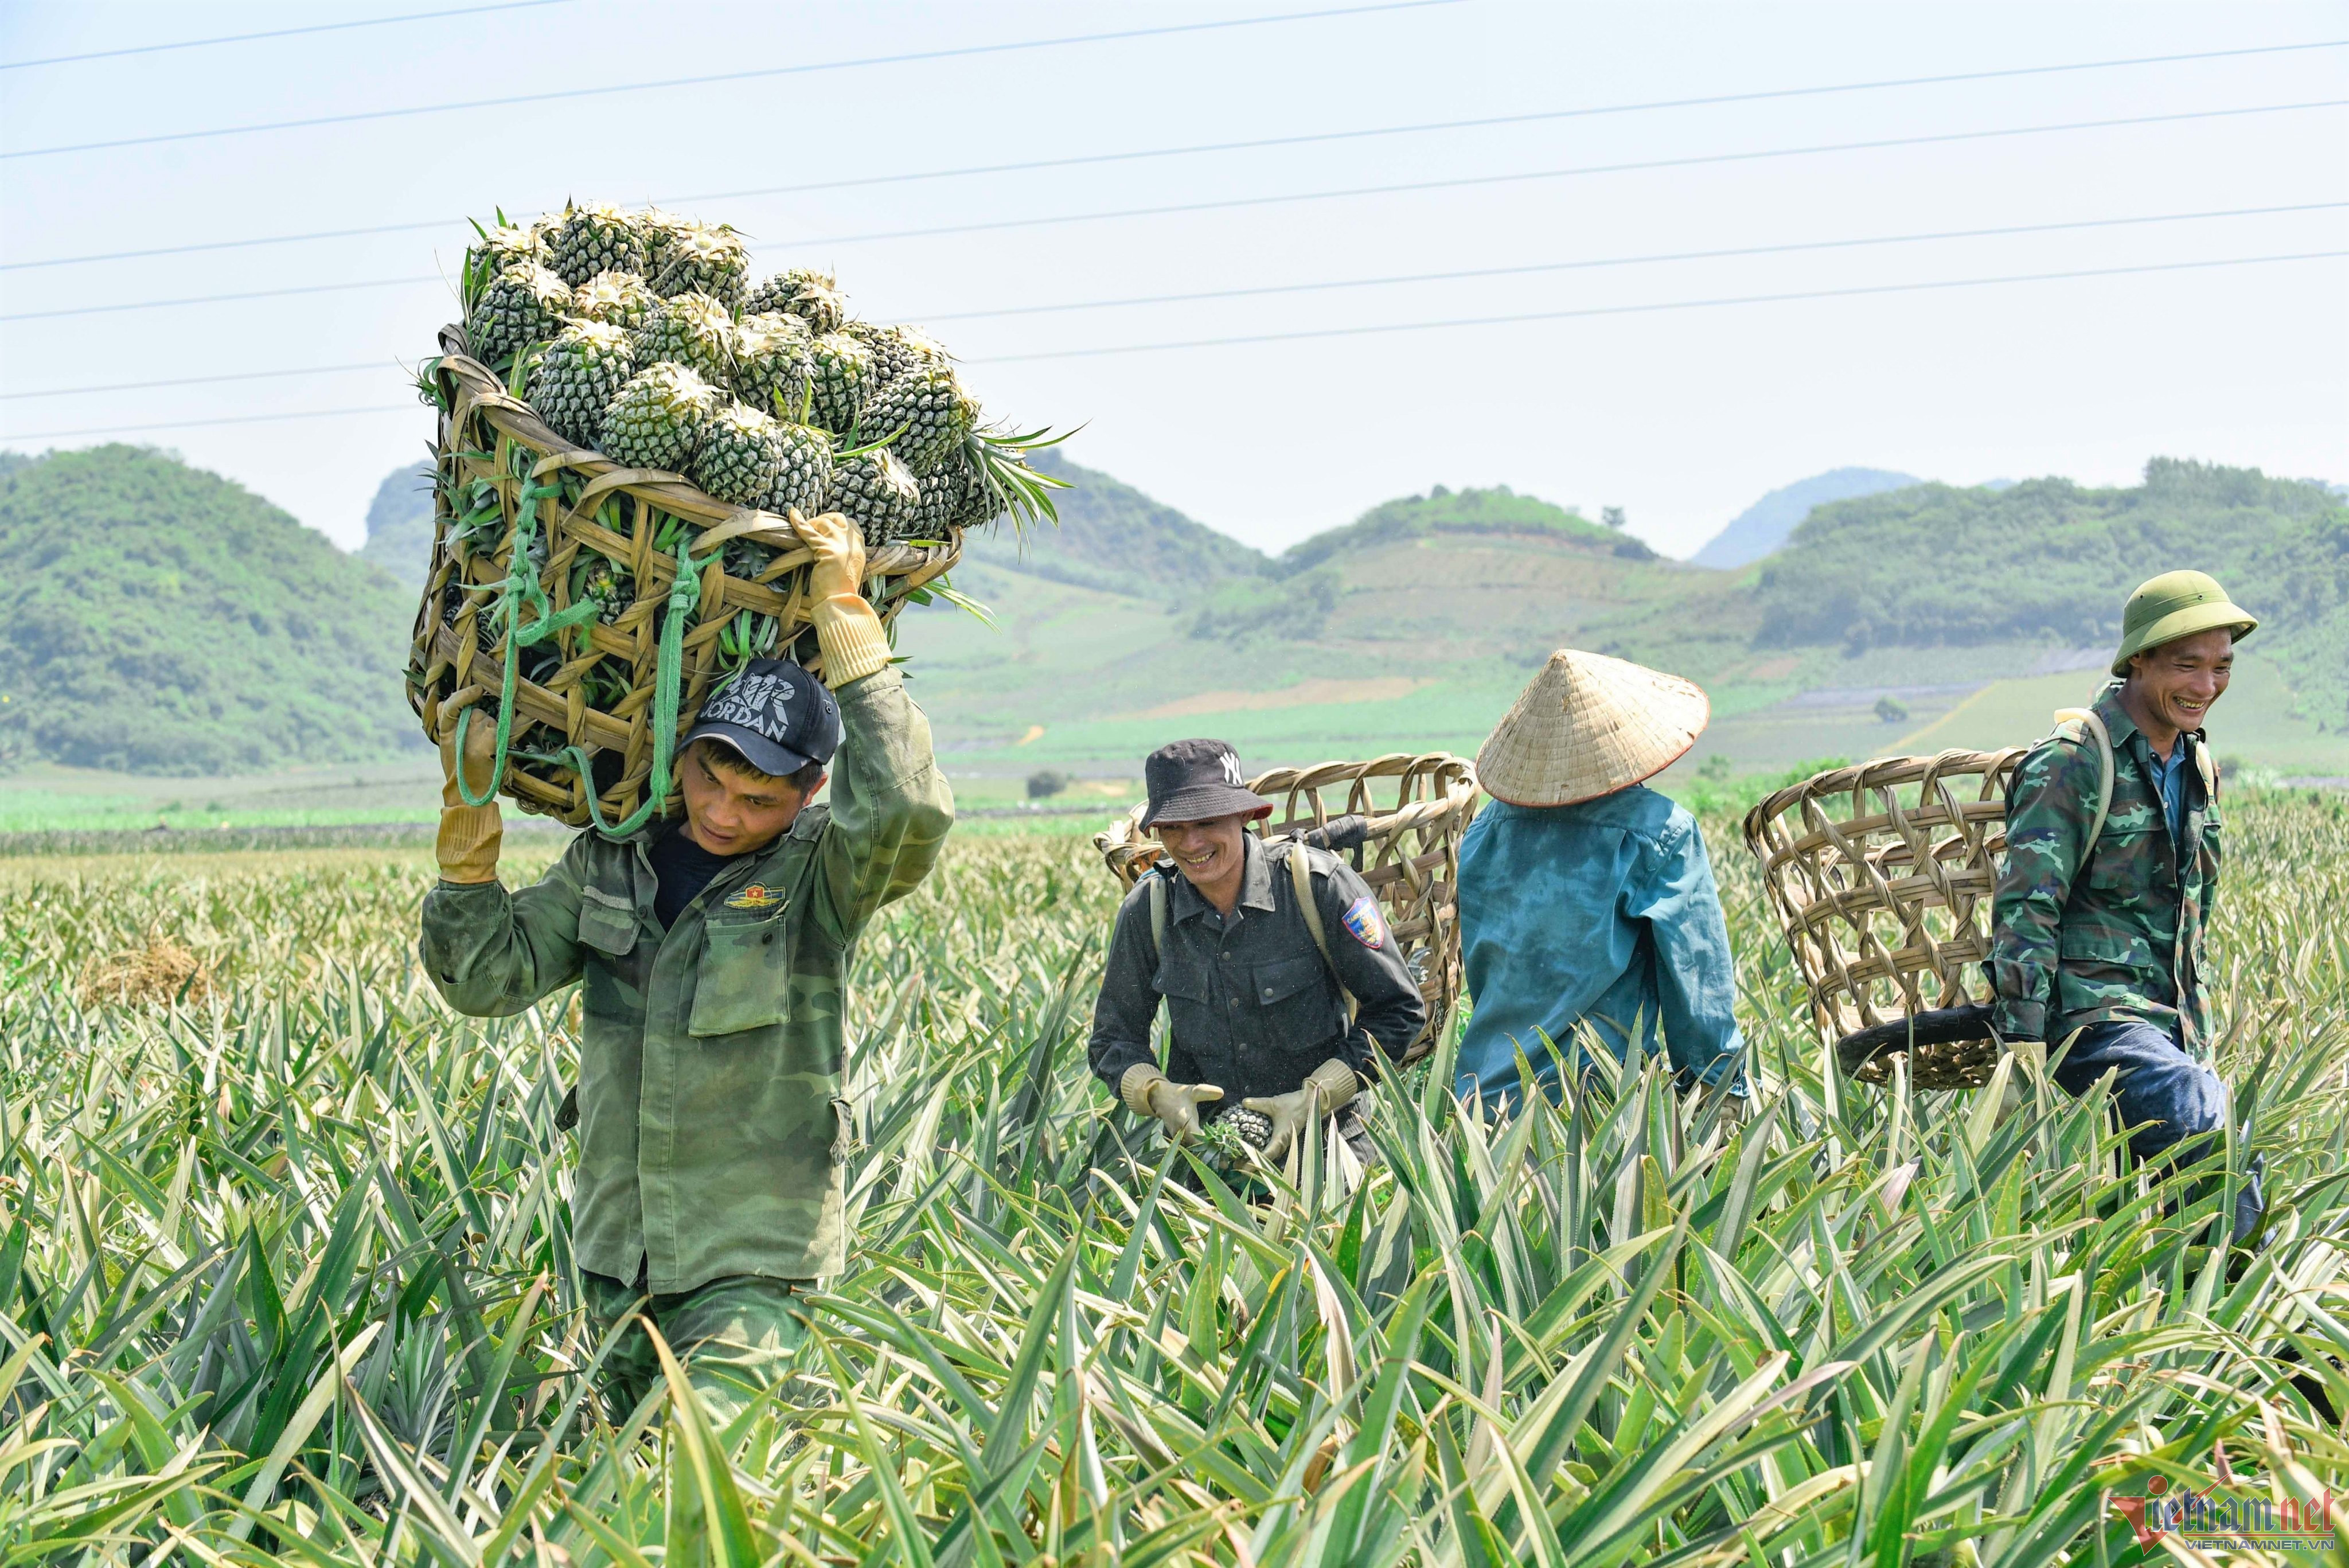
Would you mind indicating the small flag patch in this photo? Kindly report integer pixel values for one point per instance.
(1362, 919)
(757, 896)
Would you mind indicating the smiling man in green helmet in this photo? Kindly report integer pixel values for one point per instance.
(2112, 868)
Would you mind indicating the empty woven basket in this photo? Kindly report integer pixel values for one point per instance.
(1884, 874)
(1412, 811)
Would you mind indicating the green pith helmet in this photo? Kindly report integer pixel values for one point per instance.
(2176, 605)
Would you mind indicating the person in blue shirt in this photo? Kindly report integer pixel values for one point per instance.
(1587, 907)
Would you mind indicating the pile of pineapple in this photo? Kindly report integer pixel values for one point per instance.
(639, 335)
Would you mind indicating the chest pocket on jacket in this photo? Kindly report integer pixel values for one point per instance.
(1182, 980)
(744, 981)
(607, 922)
(1292, 997)
(2127, 859)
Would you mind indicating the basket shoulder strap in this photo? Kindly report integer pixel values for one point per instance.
(1301, 877)
(2095, 730)
(1157, 886)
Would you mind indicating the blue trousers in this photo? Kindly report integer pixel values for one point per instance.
(2164, 1094)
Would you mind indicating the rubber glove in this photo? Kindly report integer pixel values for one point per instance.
(1331, 1089)
(467, 844)
(846, 629)
(1147, 1092)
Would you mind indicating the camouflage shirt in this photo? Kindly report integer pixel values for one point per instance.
(2120, 937)
(711, 1122)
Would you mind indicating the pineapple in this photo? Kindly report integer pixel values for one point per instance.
(701, 260)
(806, 478)
(612, 587)
(896, 349)
(660, 231)
(510, 244)
(577, 378)
(947, 497)
(803, 292)
(771, 363)
(657, 420)
(841, 372)
(926, 414)
(876, 493)
(522, 306)
(617, 298)
(692, 330)
(596, 238)
(742, 457)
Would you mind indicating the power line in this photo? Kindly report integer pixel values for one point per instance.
(1645, 165)
(233, 420)
(1651, 309)
(1237, 202)
(1535, 268)
(1257, 144)
(1455, 322)
(564, 95)
(279, 32)
(1526, 269)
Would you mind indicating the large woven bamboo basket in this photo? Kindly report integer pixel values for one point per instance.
(1414, 809)
(589, 708)
(1884, 873)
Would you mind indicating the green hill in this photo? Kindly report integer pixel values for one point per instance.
(2052, 562)
(399, 525)
(157, 618)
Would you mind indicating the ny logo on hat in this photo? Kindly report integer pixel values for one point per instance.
(1232, 768)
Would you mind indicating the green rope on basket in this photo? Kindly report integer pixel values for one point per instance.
(684, 598)
(521, 584)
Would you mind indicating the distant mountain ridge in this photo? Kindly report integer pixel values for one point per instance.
(1764, 526)
(399, 525)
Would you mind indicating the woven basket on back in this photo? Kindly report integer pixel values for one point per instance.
(1884, 873)
(593, 692)
(1414, 809)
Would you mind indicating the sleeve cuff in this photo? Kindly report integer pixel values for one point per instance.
(852, 640)
(2020, 1020)
(467, 844)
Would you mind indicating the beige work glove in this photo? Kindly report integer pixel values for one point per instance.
(1147, 1092)
(467, 844)
(1331, 1088)
(846, 629)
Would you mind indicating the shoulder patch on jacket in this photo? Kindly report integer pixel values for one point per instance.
(1364, 924)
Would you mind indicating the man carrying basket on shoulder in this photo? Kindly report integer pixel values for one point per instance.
(1255, 949)
(712, 953)
(2111, 867)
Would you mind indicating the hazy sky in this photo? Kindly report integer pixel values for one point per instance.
(1681, 416)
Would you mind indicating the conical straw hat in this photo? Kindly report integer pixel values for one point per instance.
(1589, 725)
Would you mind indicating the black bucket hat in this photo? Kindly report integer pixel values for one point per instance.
(1196, 781)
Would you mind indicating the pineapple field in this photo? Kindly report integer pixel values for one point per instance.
(627, 423)
(288, 1279)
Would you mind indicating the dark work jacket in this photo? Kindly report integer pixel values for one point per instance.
(1253, 1008)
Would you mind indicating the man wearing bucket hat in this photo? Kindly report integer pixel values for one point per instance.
(1255, 977)
(1587, 907)
(2112, 866)
(712, 955)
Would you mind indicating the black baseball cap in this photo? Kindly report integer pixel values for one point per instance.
(1194, 781)
(774, 713)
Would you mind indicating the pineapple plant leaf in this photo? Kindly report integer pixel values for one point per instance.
(657, 420)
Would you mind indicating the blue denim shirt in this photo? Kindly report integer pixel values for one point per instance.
(1602, 912)
(2170, 780)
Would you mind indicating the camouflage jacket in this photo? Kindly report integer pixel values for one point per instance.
(711, 1122)
(2120, 937)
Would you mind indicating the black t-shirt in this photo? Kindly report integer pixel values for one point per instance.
(681, 869)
